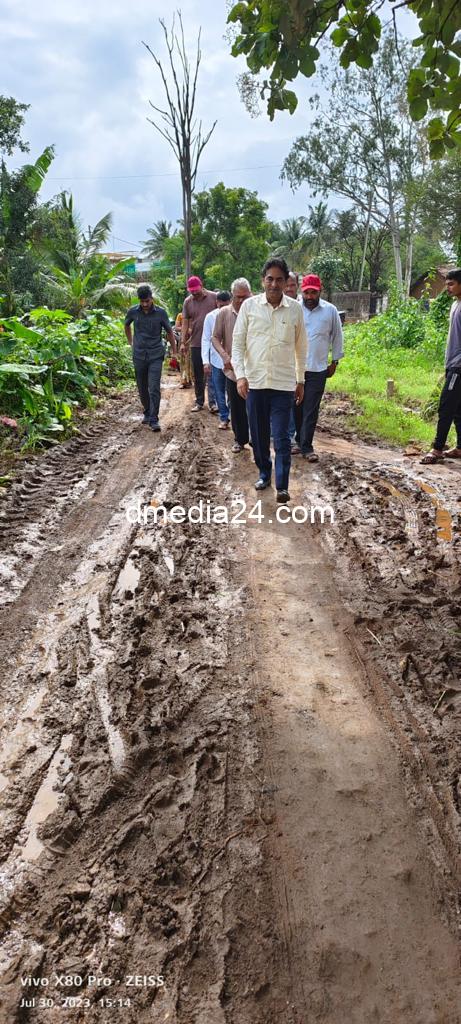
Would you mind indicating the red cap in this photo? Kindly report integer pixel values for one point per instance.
(311, 281)
(194, 284)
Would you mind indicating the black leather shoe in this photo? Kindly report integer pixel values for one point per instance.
(261, 484)
(283, 497)
(155, 427)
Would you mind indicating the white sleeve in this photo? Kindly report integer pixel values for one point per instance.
(239, 339)
(301, 343)
(337, 347)
(206, 337)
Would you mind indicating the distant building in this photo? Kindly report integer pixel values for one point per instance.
(430, 284)
(115, 257)
(359, 305)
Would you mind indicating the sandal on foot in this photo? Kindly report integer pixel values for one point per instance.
(452, 453)
(431, 458)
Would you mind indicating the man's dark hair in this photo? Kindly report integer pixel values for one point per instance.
(144, 291)
(454, 275)
(275, 261)
(223, 296)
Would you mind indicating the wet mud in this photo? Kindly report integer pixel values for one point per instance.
(157, 839)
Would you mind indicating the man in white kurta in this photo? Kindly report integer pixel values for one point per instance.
(268, 355)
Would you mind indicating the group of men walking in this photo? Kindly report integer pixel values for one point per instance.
(266, 359)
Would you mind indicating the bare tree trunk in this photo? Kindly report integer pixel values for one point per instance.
(365, 244)
(411, 219)
(181, 132)
(187, 221)
(393, 219)
(395, 238)
(409, 265)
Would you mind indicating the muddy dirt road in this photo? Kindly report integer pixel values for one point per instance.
(230, 753)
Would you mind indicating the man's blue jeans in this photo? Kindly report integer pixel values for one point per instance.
(219, 384)
(148, 372)
(264, 407)
(212, 397)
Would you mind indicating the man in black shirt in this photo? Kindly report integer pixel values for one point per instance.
(148, 350)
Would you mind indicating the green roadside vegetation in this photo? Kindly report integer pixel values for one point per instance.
(62, 297)
(405, 344)
(52, 366)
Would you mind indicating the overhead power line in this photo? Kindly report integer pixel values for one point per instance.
(136, 245)
(168, 174)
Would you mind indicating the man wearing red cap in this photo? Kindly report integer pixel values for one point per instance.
(199, 302)
(324, 330)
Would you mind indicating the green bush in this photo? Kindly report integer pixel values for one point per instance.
(401, 326)
(439, 312)
(406, 344)
(405, 325)
(54, 365)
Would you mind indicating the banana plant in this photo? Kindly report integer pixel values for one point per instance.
(17, 202)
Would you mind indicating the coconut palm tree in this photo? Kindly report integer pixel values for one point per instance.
(319, 224)
(154, 246)
(291, 241)
(79, 275)
(78, 289)
(59, 234)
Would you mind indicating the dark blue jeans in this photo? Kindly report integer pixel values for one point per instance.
(266, 406)
(148, 372)
(219, 384)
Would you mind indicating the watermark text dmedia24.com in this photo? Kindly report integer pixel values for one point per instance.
(237, 513)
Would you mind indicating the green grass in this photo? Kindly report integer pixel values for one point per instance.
(363, 374)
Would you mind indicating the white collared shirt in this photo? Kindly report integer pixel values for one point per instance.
(209, 353)
(269, 344)
(325, 332)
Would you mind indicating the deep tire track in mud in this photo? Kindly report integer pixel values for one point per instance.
(136, 870)
(194, 781)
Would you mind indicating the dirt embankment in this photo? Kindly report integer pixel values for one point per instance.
(230, 755)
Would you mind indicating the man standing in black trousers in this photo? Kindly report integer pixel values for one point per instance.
(199, 302)
(148, 350)
(450, 399)
(325, 334)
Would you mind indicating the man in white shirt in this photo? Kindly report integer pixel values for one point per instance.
(291, 287)
(268, 355)
(325, 333)
(222, 341)
(212, 364)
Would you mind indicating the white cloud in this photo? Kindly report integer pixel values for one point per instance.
(83, 69)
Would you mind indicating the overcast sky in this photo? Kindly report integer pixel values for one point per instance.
(82, 67)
